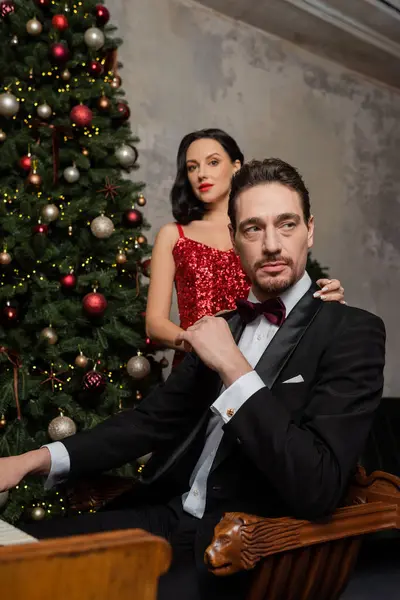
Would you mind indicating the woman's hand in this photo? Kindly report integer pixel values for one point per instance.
(331, 291)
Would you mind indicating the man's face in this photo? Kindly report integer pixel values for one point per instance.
(271, 237)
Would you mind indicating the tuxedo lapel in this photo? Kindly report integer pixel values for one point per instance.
(288, 337)
(279, 352)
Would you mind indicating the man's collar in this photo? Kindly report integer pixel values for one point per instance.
(291, 297)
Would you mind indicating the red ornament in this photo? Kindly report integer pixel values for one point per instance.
(102, 14)
(96, 68)
(123, 111)
(41, 228)
(59, 52)
(6, 8)
(94, 381)
(94, 304)
(60, 22)
(68, 281)
(133, 217)
(10, 313)
(146, 267)
(43, 3)
(81, 115)
(26, 162)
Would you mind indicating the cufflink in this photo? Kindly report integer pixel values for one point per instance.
(230, 412)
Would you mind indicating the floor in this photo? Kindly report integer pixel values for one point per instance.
(377, 574)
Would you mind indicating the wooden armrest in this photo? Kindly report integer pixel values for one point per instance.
(241, 540)
(94, 493)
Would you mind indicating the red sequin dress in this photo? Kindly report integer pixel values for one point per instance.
(207, 280)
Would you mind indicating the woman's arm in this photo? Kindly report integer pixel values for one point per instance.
(159, 327)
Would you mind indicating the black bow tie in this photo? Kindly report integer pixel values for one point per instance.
(274, 310)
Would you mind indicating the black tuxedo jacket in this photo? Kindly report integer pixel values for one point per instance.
(290, 449)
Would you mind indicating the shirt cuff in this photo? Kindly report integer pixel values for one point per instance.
(60, 464)
(229, 402)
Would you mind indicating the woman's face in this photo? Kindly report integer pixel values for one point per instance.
(210, 170)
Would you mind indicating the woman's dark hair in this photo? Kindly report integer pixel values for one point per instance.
(186, 207)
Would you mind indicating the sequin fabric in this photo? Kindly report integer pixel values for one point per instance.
(207, 280)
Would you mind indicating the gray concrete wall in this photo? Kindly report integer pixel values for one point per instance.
(186, 67)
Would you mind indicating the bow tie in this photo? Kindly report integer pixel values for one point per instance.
(273, 309)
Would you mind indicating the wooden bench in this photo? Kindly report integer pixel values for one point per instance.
(120, 564)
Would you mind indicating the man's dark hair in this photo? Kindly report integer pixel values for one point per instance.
(270, 170)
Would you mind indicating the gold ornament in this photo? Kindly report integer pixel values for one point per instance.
(44, 111)
(9, 105)
(102, 227)
(121, 258)
(138, 395)
(141, 201)
(81, 361)
(85, 152)
(138, 366)
(3, 499)
(104, 103)
(3, 422)
(50, 213)
(34, 27)
(60, 428)
(116, 82)
(49, 335)
(3, 136)
(66, 75)
(38, 513)
(5, 258)
(69, 229)
(141, 239)
(34, 179)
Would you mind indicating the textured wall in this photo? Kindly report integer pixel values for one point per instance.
(186, 67)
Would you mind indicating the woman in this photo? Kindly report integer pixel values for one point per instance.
(195, 253)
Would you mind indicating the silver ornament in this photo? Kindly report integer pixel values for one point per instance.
(138, 367)
(34, 27)
(102, 227)
(50, 213)
(14, 41)
(3, 136)
(50, 335)
(3, 499)
(38, 513)
(9, 105)
(94, 38)
(44, 111)
(126, 156)
(60, 428)
(71, 174)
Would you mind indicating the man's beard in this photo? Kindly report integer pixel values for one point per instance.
(273, 285)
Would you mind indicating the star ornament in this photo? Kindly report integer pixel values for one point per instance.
(52, 377)
(110, 189)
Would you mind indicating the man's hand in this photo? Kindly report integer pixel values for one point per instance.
(212, 341)
(14, 468)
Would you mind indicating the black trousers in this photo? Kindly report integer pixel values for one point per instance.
(185, 580)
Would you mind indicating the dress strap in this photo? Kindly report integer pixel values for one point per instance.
(180, 229)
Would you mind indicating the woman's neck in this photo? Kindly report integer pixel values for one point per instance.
(217, 211)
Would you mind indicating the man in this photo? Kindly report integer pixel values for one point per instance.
(292, 385)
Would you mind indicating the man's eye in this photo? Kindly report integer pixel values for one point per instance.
(252, 229)
(289, 225)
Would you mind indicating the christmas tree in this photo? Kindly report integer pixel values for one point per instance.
(72, 299)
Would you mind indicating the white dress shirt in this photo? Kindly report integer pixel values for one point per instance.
(256, 337)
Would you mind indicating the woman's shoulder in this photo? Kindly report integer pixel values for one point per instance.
(168, 234)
